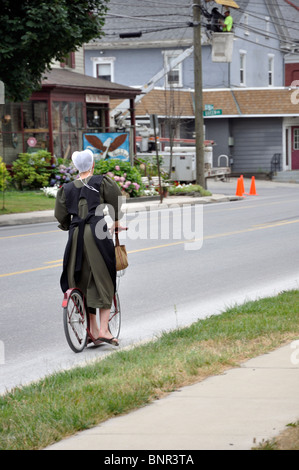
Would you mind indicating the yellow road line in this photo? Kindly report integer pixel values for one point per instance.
(252, 229)
(56, 261)
(54, 264)
(217, 235)
(28, 234)
(30, 270)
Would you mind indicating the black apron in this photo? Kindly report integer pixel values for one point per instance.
(100, 233)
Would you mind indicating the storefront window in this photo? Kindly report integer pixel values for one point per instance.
(24, 128)
(35, 125)
(96, 117)
(67, 121)
(35, 116)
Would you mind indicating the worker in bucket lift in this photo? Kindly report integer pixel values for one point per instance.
(215, 18)
(227, 24)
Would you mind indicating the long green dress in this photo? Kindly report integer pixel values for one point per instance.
(95, 280)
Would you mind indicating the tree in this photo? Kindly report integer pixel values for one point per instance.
(34, 33)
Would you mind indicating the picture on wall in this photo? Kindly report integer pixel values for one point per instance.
(108, 145)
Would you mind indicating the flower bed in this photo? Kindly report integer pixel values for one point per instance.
(126, 176)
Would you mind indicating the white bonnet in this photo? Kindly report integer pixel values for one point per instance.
(83, 161)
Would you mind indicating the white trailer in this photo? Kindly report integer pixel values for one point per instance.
(184, 164)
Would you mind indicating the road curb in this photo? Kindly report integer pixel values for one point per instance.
(169, 202)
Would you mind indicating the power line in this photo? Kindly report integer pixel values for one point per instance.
(151, 3)
(241, 25)
(154, 30)
(262, 18)
(138, 18)
(264, 33)
(150, 18)
(181, 25)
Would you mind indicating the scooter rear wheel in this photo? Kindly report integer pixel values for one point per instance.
(75, 321)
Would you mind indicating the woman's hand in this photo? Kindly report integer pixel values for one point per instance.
(116, 227)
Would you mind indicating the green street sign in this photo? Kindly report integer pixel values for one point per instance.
(212, 112)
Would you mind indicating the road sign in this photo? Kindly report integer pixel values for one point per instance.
(212, 112)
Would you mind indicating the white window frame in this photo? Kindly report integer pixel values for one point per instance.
(103, 61)
(243, 55)
(173, 54)
(270, 73)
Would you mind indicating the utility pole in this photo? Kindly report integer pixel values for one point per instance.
(199, 129)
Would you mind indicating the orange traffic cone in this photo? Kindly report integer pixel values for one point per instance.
(252, 191)
(239, 190)
(242, 184)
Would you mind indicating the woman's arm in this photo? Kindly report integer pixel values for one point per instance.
(60, 212)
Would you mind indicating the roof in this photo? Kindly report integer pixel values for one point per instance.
(167, 21)
(232, 102)
(159, 21)
(166, 103)
(253, 102)
(73, 81)
(285, 17)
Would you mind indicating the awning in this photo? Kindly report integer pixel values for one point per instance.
(226, 3)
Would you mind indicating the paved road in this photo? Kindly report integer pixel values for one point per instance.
(250, 248)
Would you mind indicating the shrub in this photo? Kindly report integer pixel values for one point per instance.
(4, 175)
(32, 170)
(62, 173)
(126, 176)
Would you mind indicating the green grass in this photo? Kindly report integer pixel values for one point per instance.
(25, 201)
(35, 416)
(286, 440)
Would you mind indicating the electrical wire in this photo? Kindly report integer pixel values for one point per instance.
(139, 18)
(149, 17)
(262, 18)
(180, 25)
(264, 33)
(151, 3)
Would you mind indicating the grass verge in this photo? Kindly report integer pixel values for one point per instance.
(35, 416)
(25, 201)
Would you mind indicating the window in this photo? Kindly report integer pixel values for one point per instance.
(103, 67)
(270, 69)
(296, 139)
(96, 117)
(174, 77)
(242, 68)
(104, 71)
(69, 61)
(67, 118)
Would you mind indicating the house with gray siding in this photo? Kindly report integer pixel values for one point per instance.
(258, 113)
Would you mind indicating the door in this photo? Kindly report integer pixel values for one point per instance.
(295, 148)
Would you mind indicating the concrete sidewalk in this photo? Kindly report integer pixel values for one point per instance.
(232, 411)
